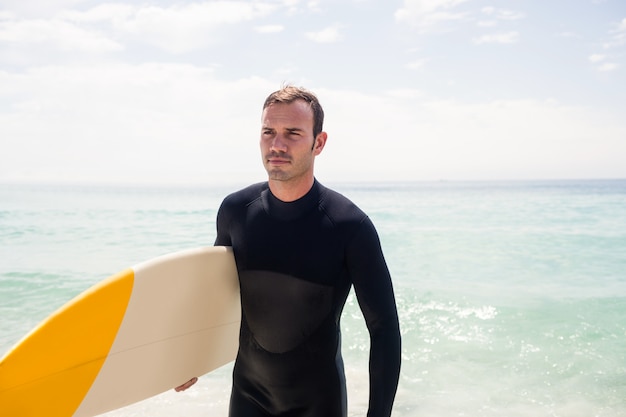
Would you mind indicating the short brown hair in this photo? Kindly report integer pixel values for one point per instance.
(289, 94)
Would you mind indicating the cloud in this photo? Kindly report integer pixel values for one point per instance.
(500, 38)
(596, 58)
(569, 35)
(177, 123)
(137, 123)
(177, 29)
(102, 13)
(33, 9)
(488, 140)
(426, 15)
(496, 16)
(100, 100)
(59, 34)
(416, 64)
(608, 66)
(502, 14)
(269, 29)
(405, 93)
(5, 15)
(180, 29)
(616, 40)
(328, 35)
(617, 36)
(601, 65)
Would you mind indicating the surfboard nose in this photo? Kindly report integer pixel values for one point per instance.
(49, 372)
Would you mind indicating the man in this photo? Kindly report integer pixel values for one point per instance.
(299, 247)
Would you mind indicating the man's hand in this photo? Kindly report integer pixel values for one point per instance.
(186, 384)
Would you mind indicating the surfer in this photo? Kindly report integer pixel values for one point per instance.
(299, 248)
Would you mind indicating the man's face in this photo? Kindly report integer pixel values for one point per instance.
(288, 147)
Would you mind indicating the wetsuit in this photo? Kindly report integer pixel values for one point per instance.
(296, 263)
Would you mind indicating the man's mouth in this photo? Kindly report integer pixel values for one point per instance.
(276, 160)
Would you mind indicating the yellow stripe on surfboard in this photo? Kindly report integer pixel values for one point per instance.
(53, 380)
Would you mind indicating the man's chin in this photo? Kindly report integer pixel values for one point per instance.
(277, 175)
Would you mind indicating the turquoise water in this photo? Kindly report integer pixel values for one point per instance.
(511, 295)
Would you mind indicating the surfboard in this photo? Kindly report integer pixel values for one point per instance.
(136, 334)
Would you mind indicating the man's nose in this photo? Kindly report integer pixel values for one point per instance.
(278, 144)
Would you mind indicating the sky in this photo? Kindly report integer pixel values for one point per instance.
(170, 92)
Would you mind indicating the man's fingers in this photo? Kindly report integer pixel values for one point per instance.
(186, 384)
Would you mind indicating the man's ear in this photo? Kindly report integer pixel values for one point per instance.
(320, 142)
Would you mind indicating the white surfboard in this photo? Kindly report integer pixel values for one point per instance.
(132, 336)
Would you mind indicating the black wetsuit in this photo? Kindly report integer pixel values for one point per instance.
(296, 263)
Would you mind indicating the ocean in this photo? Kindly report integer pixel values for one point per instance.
(511, 295)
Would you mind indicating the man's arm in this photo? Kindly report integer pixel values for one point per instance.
(222, 226)
(374, 291)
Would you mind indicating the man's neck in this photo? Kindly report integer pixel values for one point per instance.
(288, 191)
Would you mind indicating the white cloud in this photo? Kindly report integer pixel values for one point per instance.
(608, 66)
(180, 29)
(617, 36)
(281, 72)
(109, 27)
(57, 34)
(328, 35)
(487, 23)
(601, 63)
(422, 7)
(99, 100)
(177, 28)
(416, 64)
(502, 14)
(496, 17)
(106, 12)
(489, 140)
(570, 35)
(167, 122)
(596, 58)
(406, 93)
(33, 9)
(501, 38)
(616, 40)
(270, 29)
(426, 15)
(5, 15)
(314, 5)
(179, 123)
